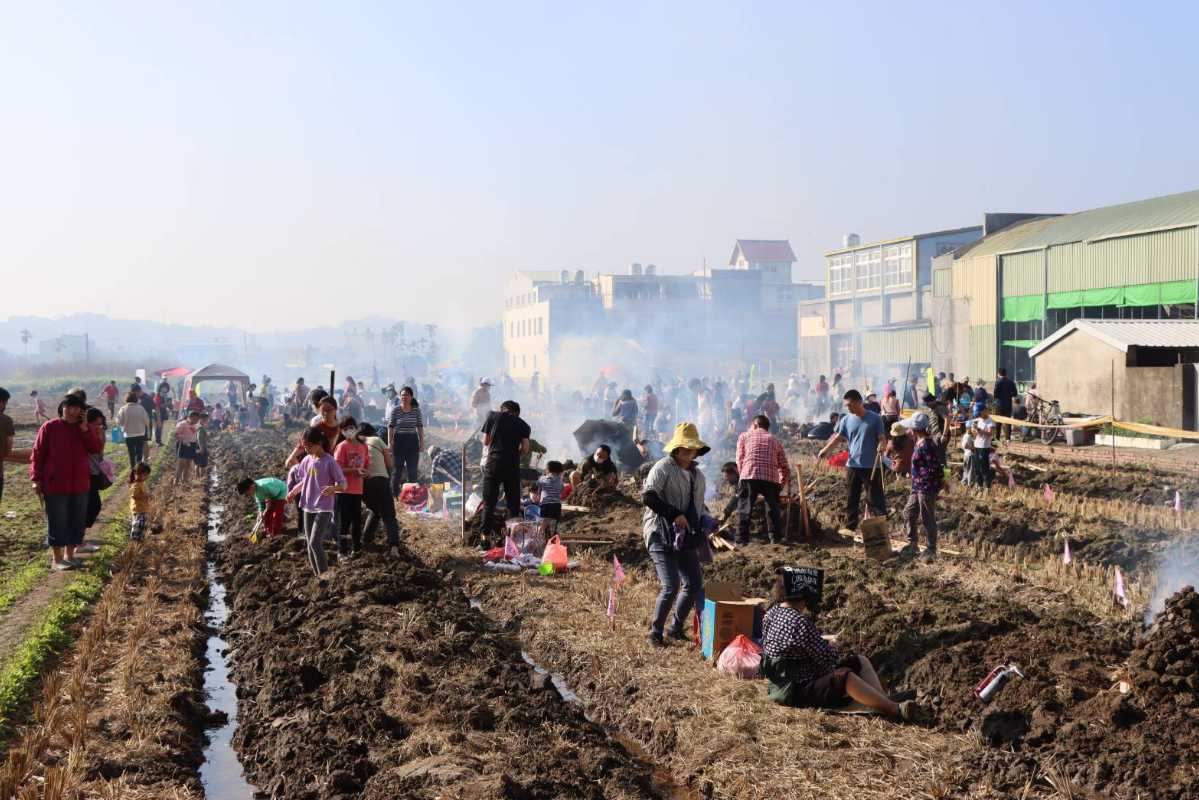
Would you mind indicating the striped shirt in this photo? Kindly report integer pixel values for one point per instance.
(406, 421)
(551, 488)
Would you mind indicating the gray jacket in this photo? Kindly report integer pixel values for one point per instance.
(672, 484)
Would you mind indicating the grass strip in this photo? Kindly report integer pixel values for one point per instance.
(52, 634)
(21, 582)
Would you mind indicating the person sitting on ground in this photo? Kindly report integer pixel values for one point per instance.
(650, 448)
(550, 485)
(823, 430)
(270, 495)
(898, 451)
(804, 669)
(598, 465)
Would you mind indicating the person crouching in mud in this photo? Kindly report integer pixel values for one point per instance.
(804, 669)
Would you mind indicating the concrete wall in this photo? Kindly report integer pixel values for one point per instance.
(1077, 372)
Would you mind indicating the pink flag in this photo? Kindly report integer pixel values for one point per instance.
(1066, 558)
(617, 572)
(1177, 502)
(1120, 588)
(510, 549)
(611, 603)
(1048, 493)
(1011, 481)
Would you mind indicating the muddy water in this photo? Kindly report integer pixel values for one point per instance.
(221, 774)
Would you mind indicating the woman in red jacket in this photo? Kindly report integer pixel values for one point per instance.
(59, 470)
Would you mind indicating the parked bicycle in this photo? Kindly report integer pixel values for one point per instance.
(1046, 412)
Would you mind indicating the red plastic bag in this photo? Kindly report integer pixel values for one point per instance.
(555, 553)
(839, 460)
(494, 554)
(741, 657)
(413, 494)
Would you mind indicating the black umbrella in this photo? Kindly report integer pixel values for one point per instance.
(594, 432)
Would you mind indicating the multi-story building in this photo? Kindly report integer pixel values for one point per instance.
(1016, 287)
(876, 307)
(540, 309)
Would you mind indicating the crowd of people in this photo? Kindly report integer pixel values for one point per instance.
(360, 452)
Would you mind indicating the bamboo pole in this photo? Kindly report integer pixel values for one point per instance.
(803, 501)
(1113, 427)
(463, 473)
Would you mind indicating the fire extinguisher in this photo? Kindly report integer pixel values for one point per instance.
(996, 679)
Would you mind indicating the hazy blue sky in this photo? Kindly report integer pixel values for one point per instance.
(267, 164)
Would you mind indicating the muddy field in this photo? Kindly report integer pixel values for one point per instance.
(414, 676)
(388, 684)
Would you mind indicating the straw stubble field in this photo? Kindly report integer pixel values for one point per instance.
(388, 683)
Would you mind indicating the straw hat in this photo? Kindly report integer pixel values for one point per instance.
(686, 435)
(898, 429)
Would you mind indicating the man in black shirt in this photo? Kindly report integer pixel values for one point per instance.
(506, 437)
(1005, 392)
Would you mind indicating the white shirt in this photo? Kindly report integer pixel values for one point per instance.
(983, 430)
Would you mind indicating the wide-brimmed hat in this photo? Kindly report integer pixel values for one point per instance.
(686, 435)
(898, 429)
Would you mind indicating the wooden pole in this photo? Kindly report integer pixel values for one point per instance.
(1112, 427)
(332, 377)
(803, 502)
(463, 475)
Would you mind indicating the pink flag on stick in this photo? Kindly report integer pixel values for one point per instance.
(1048, 493)
(1177, 502)
(611, 604)
(618, 575)
(1119, 590)
(1066, 557)
(1011, 481)
(510, 549)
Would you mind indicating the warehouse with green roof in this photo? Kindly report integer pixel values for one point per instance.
(996, 298)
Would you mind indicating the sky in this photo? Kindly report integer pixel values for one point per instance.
(271, 165)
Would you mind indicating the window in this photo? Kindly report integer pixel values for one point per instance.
(891, 265)
(905, 265)
(524, 361)
(534, 361)
(869, 264)
(840, 274)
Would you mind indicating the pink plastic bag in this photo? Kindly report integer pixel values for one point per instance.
(555, 553)
(741, 657)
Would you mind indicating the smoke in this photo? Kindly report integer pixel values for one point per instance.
(1177, 566)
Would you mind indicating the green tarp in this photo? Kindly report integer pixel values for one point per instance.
(1179, 292)
(1023, 344)
(1065, 300)
(1023, 308)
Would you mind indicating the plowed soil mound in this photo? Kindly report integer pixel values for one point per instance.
(387, 684)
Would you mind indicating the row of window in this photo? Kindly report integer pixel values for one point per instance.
(521, 300)
(526, 327)
(871, 269)
(521, 361)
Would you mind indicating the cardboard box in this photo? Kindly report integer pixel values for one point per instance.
(875, 538)
(726, 614)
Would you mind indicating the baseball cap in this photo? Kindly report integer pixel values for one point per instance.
(917, 422)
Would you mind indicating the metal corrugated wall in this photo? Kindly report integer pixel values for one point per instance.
(896, 346)
(1124, 261)
(1068, 267)
(942, 282)
(983, 347)
(1023, 273)
(974, 279)
(1147, 258)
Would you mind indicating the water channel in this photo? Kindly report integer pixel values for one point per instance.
(221, 773)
